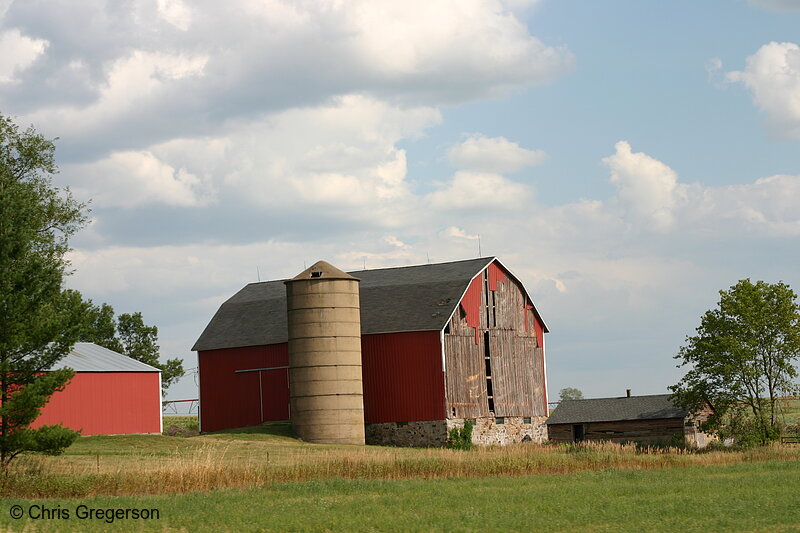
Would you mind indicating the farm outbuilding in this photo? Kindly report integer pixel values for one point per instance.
(110, 394)
(440, 343)
(652, 419)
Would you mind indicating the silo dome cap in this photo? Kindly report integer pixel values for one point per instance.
(322, 270)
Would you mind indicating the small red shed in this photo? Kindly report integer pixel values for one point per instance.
(110, 394)
(441, 344)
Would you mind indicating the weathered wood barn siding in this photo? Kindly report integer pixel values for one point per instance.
(648, 419)
(660, 430)
(493, 351)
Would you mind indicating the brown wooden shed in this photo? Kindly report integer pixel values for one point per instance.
(652, 419)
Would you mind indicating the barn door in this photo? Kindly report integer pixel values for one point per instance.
(465, 378)
(512, 363)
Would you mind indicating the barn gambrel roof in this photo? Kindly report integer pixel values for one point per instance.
(410, 298)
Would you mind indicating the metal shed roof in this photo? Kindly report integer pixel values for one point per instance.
(89, 357)
(411, 298)
(615, 409)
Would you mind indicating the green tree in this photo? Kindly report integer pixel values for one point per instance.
(742, 359)
(570, 393)
(101, 327)
(129, 335)
(39, 320)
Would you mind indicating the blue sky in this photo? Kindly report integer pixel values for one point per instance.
(626, 159)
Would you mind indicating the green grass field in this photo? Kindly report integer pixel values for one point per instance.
(262, 479)
(791, 410)
(742, 497)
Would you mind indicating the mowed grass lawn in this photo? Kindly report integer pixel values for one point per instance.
(742, 497)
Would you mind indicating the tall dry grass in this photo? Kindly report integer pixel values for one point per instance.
(209, 467)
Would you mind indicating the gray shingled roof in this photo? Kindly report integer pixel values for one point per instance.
(89, 357)
(614, 409)
(412, 298)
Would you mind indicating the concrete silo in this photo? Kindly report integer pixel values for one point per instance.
(325, 389)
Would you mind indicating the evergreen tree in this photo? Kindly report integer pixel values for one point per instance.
(39, 320)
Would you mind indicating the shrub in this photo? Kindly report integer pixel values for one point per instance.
(461, 438)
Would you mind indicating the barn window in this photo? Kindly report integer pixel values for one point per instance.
(487, 358)
(499, 420)
(526, 420)
(316, 274)
(494, 310)
(486, 300)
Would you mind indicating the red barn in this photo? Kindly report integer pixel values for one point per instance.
(110, 394)
(441, 343)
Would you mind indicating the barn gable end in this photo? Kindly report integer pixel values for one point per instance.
(110, 394)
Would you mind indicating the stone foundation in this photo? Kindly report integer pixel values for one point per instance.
(418, 434)
(486, 431)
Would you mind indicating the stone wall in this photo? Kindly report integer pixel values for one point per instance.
(488, 431)
(419, 434)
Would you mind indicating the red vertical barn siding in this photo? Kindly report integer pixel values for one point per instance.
(496, 273)
(107, 403)
(537, 325)
(471, 304)
(403, 378)
(231, 400)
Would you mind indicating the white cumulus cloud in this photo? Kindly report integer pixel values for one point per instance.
(17, 52)
(186, 67)
(493, 154)
(131, 179)
(458, 233)
(646, 187)
(477, 189)
(176, 12)
(772, 75)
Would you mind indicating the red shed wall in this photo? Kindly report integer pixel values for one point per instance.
(403, 377)
(107, 403)
(230, 400)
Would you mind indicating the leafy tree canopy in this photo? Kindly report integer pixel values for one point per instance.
(742, 359)
(129, 335)
(39, 320)
(570, 393)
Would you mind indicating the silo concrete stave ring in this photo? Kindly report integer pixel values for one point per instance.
(325, 384)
